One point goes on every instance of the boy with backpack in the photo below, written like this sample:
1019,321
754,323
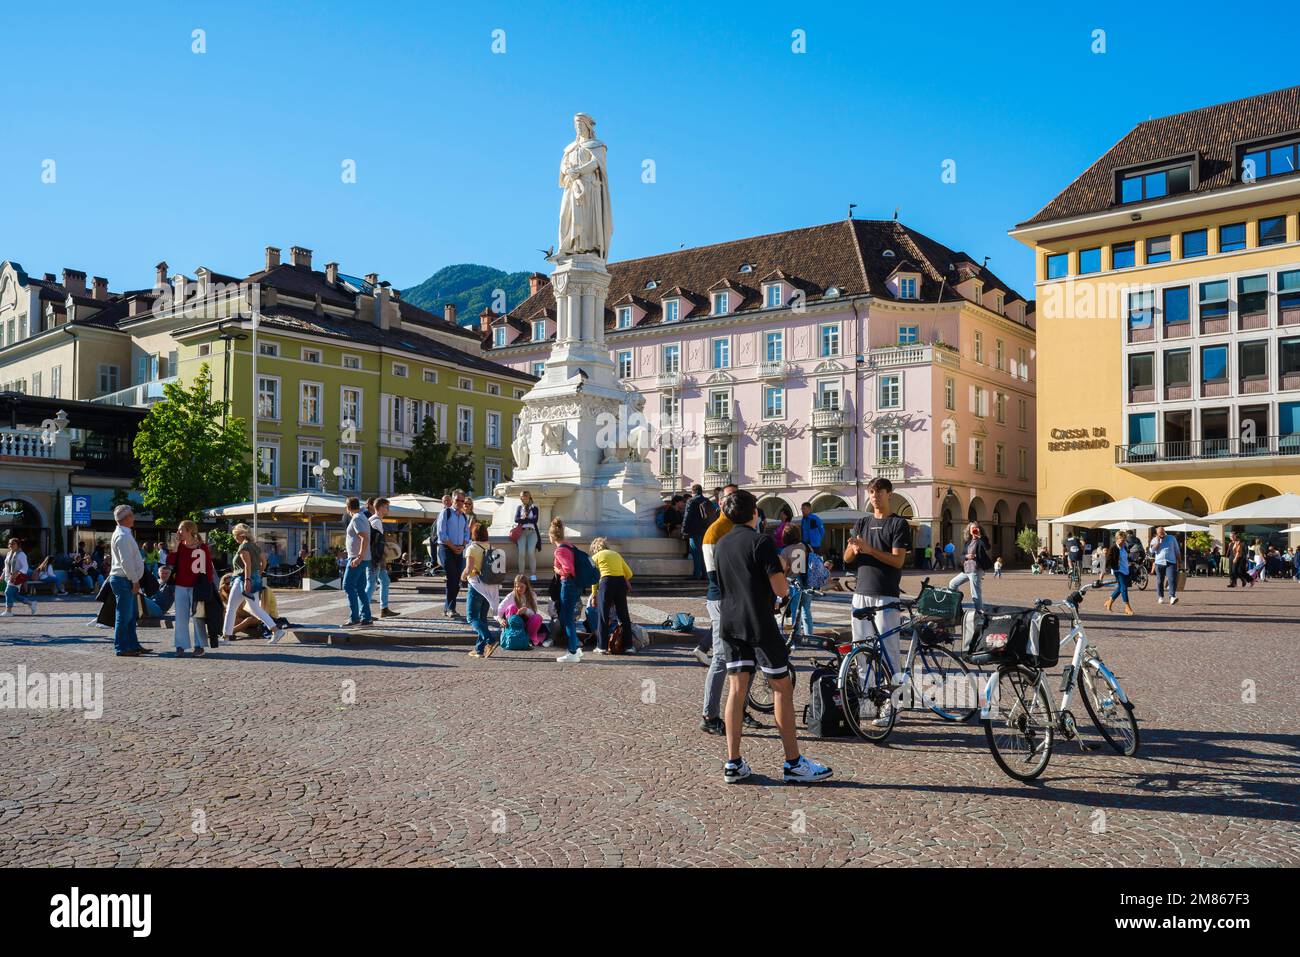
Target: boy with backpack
576,574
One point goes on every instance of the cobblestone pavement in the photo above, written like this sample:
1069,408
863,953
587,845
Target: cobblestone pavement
308,755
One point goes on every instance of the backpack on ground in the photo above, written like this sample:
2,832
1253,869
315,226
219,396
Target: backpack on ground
640,639
682,623
514,637
823,716
615,644
493,570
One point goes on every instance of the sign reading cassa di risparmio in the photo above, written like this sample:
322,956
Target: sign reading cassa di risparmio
1071,440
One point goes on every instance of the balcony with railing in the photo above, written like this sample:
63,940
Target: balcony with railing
1169,456
669,380
774,369
772,477
717,478
720,426
34,444
883,357
140,396
830,419
827,475
671,482
892,470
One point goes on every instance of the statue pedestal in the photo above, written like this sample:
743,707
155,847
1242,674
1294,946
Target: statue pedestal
582,440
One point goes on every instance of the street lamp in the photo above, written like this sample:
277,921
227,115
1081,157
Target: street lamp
319,472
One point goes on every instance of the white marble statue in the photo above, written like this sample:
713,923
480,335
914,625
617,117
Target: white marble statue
586,224
520,447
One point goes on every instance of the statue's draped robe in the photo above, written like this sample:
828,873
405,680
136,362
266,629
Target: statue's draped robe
585,221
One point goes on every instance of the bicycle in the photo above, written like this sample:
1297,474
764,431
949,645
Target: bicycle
1021,736
1139,576
871,691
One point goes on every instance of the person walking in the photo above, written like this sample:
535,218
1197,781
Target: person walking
699,516
482,601
610,594
1237,562
1117,560
997,567
125,571
1164,549
875,553
453,538
17,571
195,577
246,581
975,562
715,678
378,570
565,569
528,539
356,565
950,556
750,578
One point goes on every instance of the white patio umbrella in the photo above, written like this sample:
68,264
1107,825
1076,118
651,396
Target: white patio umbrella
1134,510
307,504
412,508
1267,511
1187,527
1126,527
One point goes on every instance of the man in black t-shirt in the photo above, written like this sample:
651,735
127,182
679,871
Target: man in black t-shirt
1074,553
876,551
750,577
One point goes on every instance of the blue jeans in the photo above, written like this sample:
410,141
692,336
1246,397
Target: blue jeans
801,604
11,596
354,584
476,611
378,574
976,579
124,615
568,606
1167,576
697,557
1121,587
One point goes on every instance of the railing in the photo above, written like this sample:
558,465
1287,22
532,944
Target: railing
773,369
886,356
104,460
1206,450
719,425
830,419
827,474
892,471
772,476
33,444
144,394
717,479
669,380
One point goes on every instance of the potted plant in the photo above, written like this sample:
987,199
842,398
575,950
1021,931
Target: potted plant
320,571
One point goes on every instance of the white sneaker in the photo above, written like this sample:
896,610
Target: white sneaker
275,636
1174,600
1161,601
732,773
547,643
805,771
886,717
4,614
576,656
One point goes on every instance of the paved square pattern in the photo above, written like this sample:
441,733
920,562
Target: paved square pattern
310,754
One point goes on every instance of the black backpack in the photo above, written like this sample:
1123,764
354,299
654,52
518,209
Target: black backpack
823,716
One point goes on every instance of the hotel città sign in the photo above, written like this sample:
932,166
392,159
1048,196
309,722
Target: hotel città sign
1071,440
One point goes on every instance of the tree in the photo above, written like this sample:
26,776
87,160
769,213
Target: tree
188,461
431,467
1027,541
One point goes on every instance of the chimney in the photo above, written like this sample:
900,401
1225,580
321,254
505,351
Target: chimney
535,282
301,256
331,273
381,308
50,277
99,287
485,320
372,278
74,280
138,306
272,257
160,274
449,312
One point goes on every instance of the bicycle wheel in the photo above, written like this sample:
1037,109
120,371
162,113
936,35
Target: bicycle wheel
760,697
947,686
1142,579
1019,726
865,695
1112,716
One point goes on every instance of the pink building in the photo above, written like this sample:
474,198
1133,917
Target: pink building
803,363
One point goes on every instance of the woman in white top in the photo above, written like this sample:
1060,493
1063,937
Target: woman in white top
16,572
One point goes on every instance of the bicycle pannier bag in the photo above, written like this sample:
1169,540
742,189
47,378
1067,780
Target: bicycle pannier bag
941,604
1001,638
1044,645
823,716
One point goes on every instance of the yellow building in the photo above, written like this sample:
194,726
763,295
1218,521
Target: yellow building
1168,299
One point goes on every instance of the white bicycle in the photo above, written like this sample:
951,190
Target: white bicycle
1017,712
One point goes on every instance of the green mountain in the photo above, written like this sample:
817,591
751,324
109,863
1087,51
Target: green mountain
471,288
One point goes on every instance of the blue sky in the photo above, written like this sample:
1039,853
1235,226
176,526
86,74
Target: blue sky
203,159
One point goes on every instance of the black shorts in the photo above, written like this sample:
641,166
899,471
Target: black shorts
768,652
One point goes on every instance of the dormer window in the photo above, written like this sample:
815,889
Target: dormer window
1000,304
721,303
979,293
746,267
832,292
499,337
906,287
671,310
1140,185
773,295
623,318
652,284
539,330
1261,162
